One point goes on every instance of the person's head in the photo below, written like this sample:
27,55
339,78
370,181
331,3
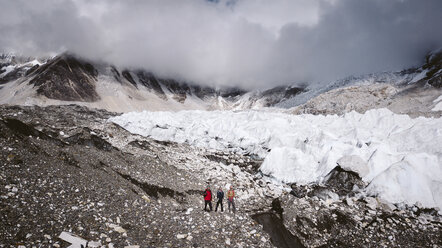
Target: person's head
231,187
220,189
208,187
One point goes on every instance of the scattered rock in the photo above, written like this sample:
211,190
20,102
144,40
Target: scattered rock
181,236
372,203
92,182
117,228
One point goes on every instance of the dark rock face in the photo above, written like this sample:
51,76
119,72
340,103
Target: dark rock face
66,78
13,75
203,92
150,82
234,92
278,94
298,191
116,74
21,128
337,183
343,181
274,226
292,91
276,207
126,75
434,65
31,70
17,72
179,90
436,81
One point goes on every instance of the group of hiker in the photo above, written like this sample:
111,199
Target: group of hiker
220,196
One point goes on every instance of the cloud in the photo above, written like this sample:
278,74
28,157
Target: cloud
246,43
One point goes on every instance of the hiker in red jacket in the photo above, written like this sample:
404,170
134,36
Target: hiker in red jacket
207,198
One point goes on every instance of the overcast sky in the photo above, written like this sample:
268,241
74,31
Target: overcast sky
247,43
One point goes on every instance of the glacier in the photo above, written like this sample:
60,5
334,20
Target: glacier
399,157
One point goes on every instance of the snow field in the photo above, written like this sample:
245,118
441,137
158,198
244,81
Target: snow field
7,69
438,102
400,157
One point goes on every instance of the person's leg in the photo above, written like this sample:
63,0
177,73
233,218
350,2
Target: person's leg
216,208
210,205
222,209
228,204
233,206
205,205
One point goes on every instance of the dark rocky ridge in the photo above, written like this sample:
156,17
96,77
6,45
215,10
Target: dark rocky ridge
7,60
149,80
66,78
16,74
433,63
279,94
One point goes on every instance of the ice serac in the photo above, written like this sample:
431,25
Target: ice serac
66,78
397,155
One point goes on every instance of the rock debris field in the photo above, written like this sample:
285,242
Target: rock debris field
68,174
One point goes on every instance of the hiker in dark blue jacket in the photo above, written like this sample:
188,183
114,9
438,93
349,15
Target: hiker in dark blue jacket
220,196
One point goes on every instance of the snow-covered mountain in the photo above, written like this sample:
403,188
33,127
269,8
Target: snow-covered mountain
14,67
415,92
67,79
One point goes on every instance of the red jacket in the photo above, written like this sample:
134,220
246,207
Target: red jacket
208,195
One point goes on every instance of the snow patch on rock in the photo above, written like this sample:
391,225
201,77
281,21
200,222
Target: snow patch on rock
438,106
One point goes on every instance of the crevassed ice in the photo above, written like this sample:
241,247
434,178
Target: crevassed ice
400,156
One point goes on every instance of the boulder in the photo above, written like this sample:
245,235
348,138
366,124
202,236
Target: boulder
343,181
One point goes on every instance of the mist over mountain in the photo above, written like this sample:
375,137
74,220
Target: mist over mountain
246,44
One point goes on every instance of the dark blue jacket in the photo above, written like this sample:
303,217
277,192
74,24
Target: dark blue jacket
220,195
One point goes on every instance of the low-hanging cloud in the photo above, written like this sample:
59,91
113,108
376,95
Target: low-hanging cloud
245,43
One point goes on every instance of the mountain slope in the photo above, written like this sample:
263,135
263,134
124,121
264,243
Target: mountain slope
67,79
414,92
